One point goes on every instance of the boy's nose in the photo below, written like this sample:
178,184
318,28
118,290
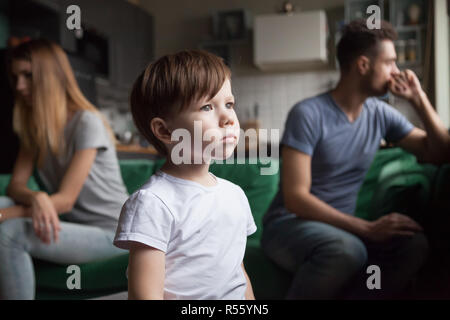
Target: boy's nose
226,119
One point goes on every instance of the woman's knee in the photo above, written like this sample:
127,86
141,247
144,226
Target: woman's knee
6,202
13,231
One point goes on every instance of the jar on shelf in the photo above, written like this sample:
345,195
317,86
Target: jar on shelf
411,51
400,47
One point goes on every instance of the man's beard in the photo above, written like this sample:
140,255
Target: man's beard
373,91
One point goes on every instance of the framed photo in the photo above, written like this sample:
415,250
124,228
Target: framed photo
230,25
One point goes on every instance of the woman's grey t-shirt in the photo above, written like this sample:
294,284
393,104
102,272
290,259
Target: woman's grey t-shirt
103,192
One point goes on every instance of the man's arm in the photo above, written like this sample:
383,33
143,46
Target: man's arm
296,177
433,144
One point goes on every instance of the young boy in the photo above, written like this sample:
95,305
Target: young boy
185,228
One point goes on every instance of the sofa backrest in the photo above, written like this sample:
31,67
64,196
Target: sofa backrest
395,182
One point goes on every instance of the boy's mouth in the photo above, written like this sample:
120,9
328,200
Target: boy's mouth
229,138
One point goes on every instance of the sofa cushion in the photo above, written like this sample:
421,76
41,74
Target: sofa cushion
395,182
101,277
135,172
268,280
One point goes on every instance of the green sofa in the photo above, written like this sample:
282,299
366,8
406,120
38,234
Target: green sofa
395,182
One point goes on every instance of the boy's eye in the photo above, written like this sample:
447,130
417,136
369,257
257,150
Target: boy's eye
230,105
207,107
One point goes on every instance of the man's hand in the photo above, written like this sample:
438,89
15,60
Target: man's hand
44,216
406,85
391,225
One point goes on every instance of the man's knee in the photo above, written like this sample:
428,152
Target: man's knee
416,249
349,253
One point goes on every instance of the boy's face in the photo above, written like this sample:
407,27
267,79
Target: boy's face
212,124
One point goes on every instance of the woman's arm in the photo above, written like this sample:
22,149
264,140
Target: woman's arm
17,211
73,180
17,188
249,291
44,208
146,273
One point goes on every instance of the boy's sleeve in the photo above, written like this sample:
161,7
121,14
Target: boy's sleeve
302,130
146,219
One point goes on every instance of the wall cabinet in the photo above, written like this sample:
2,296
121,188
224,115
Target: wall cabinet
286,42
129,31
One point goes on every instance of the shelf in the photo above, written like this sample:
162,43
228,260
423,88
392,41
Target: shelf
235,42
417,27
410,65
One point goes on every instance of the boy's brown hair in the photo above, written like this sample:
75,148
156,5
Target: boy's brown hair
357,39
172,83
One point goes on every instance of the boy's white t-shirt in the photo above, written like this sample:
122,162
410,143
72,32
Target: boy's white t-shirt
202,230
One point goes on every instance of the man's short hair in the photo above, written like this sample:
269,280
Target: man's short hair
357,39
172,83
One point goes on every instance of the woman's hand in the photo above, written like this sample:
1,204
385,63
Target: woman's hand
45,218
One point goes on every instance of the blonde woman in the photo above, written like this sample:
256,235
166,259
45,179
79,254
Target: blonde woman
65,138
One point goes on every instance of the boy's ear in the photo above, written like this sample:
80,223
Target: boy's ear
160,130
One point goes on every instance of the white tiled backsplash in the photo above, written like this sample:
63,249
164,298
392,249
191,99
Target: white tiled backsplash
276,94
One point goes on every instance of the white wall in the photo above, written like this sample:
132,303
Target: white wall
276,94
441,55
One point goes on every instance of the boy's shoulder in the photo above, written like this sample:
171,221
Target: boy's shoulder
228,184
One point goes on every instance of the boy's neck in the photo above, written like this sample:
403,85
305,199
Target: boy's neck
194,172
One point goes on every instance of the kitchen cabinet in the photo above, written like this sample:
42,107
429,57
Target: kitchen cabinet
290,41
129,31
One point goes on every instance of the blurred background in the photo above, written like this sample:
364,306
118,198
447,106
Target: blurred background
280,52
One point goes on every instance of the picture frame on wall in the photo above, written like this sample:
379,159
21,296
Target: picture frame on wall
230,25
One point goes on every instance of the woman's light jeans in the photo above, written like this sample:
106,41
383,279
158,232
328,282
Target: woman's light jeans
77,244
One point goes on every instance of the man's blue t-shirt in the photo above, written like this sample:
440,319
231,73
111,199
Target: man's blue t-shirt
341,152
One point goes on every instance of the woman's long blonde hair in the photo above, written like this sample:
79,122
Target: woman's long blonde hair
55,91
